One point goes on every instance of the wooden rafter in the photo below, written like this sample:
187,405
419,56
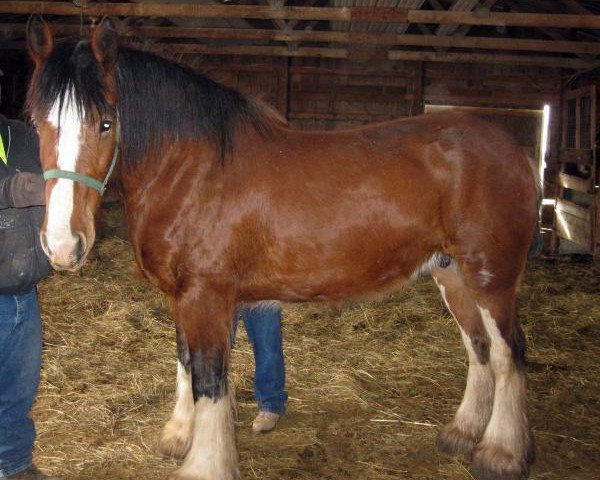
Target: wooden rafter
395,55
553,33
305,13
457,6
485,43
484,7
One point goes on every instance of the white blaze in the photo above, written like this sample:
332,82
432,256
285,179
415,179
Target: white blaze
68,123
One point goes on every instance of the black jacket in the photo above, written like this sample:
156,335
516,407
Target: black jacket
22,260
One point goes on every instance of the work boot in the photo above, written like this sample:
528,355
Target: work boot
32,473
265,421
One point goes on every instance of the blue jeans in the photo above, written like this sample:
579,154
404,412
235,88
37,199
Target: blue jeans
263,326
20,360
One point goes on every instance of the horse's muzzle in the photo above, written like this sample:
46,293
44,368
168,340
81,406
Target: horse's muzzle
67,254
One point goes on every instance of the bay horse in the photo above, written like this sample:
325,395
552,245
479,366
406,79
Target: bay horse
226,204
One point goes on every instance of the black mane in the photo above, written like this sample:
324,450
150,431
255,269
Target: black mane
70,66
159,102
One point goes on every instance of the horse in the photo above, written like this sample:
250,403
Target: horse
226,204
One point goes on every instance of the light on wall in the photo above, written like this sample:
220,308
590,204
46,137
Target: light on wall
544,144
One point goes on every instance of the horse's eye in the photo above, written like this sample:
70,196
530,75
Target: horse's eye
105,126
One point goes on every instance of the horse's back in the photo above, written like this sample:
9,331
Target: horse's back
370,205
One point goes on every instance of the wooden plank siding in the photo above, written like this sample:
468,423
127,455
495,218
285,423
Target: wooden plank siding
321,100
334,93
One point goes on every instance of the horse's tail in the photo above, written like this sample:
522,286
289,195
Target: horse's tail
537,243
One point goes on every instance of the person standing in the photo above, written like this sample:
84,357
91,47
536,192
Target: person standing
263,326
22,265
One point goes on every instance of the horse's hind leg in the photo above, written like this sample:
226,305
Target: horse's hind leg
204,318
176,436
506,449
491,422
471,418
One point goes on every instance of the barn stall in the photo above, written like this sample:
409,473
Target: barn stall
370,384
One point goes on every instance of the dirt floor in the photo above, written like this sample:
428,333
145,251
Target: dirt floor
370,384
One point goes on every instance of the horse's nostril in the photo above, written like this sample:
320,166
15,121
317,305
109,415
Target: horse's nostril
80,246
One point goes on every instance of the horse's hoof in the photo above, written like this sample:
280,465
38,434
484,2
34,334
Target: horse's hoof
174,442
496,463
187,474
453,441
179,475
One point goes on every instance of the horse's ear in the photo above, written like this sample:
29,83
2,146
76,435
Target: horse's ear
105,43
40,39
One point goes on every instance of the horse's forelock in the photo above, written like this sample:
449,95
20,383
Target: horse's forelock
71,72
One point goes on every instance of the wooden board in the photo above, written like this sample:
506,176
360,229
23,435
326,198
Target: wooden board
573,223
575,183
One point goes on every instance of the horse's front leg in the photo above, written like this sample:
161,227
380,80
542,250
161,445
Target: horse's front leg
176,436
204,321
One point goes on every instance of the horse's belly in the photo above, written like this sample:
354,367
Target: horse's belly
351,269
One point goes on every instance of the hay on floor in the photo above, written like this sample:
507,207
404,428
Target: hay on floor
370,384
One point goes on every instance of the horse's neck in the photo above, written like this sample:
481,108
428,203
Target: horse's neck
157,174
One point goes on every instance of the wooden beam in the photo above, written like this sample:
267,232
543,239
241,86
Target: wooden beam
538,61
486,6
504,101
315,52
511,112
393,55
351,70
486,43
574,223
345,14
415,5
460,6
280,24
575,183
505,19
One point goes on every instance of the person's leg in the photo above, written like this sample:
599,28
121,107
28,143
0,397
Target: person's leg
20,360
263,326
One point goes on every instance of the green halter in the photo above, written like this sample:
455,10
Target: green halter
85,179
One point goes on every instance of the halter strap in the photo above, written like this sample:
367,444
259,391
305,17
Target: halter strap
97,185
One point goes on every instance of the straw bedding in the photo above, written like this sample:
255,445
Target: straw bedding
370,384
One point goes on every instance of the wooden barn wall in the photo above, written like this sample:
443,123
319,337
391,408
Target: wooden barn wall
266,79
333,94
587,219
491,86
329,94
